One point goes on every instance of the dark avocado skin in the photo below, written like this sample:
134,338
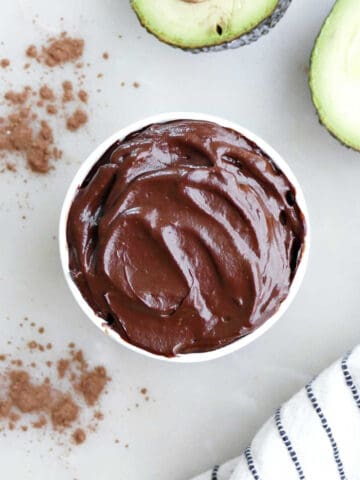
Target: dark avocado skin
261,29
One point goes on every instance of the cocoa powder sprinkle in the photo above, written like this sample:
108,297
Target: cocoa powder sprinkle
5,407
92,384
64,412
18,98
40,423
51,110
57,51
26,396
99,415
11,167
68,95
31,51
79,436
4,63
83,96
76,120
54,406
23,130
62,367
18,134
46,93
62,50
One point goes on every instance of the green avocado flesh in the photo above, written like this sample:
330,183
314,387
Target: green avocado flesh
335,73
201,23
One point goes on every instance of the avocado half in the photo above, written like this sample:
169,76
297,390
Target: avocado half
209,25
335,73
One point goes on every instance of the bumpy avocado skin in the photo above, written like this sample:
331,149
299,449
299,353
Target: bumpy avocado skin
261,29
322,121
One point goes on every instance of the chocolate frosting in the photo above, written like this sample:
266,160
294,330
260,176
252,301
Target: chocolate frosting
185,237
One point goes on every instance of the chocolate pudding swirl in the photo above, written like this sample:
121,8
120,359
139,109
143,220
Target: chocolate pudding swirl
185,237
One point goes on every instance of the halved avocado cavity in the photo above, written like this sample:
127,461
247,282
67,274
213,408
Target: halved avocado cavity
195,24
335,73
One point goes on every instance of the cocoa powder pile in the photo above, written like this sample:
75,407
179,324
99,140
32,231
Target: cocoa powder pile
57,51
26,128
56,401
22,132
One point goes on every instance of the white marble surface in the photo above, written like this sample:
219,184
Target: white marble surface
202,414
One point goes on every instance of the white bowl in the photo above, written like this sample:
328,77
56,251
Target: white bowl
97,154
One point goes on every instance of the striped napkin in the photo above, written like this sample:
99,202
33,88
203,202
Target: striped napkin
314,436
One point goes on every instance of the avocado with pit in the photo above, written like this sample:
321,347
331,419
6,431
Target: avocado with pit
209,25
335,73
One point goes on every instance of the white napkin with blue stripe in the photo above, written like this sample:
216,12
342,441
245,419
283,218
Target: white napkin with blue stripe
314,436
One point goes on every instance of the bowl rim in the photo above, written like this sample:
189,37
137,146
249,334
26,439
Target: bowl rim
85,169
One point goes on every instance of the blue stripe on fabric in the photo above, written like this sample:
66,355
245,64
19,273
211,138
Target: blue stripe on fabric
349,379
214,473
286,440
251,464
325,425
